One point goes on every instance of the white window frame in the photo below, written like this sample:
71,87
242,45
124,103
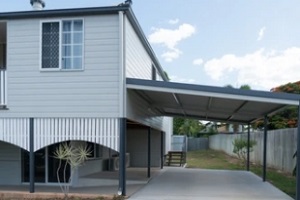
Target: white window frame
60,21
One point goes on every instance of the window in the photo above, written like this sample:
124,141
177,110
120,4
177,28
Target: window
62,44
96,150
50,45
2,56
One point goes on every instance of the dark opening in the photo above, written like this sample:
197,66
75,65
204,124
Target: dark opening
39,157
53,165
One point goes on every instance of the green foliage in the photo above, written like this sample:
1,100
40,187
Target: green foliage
245,87
177,123
240,148
289,88
229,86
286,118
189,127
211,131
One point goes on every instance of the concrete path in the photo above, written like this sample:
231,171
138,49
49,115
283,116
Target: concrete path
198,184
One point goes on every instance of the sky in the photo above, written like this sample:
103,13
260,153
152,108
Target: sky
213,42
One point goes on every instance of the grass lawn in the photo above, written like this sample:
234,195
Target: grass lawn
210,159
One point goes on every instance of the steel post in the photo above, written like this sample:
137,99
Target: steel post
122,158
31,156
265,148
298,158
149,153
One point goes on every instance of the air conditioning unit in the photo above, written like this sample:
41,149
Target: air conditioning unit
114,164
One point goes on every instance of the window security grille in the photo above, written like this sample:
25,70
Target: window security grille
50,45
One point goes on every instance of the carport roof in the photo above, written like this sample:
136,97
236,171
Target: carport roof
209,103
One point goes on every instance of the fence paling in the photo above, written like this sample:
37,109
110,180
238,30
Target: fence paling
281,147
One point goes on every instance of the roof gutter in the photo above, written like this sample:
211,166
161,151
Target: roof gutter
64,12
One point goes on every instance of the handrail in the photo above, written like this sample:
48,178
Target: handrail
3,90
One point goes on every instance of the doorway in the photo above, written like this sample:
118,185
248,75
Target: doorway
46,166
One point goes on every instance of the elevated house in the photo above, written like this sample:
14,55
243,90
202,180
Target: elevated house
63,79
89,75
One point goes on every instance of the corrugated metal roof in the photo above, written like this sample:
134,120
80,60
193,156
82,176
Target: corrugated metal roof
209,103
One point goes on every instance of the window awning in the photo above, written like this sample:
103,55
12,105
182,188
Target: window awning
209,103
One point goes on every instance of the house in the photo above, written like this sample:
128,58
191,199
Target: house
63,78
89,75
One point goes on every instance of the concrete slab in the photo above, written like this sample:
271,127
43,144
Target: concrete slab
102,183
200,184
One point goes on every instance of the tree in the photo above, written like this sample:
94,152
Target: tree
185,126
245,87
190,127
286,118
240,148
177,123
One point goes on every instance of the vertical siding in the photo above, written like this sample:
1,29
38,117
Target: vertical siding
10,164
93,92
138,61
47,131
15,131
104,131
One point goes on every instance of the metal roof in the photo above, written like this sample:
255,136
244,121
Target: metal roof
209,103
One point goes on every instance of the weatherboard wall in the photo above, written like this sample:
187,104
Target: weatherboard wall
91,92
139,65
138,61
139,110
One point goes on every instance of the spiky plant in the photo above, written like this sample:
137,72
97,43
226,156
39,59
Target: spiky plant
74,157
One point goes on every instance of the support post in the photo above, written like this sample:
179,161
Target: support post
162,150
298,158
122,158
248,148
31,156
149,153
265,148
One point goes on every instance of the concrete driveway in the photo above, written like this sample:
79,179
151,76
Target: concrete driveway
197,184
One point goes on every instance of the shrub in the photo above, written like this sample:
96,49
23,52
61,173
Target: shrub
240,148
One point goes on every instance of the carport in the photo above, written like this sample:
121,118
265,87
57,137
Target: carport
212,104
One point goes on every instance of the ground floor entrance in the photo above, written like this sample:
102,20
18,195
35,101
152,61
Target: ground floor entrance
48,170
47,167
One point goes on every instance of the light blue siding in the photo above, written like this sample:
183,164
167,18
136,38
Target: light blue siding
139,65
92,92
138,61
140,111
